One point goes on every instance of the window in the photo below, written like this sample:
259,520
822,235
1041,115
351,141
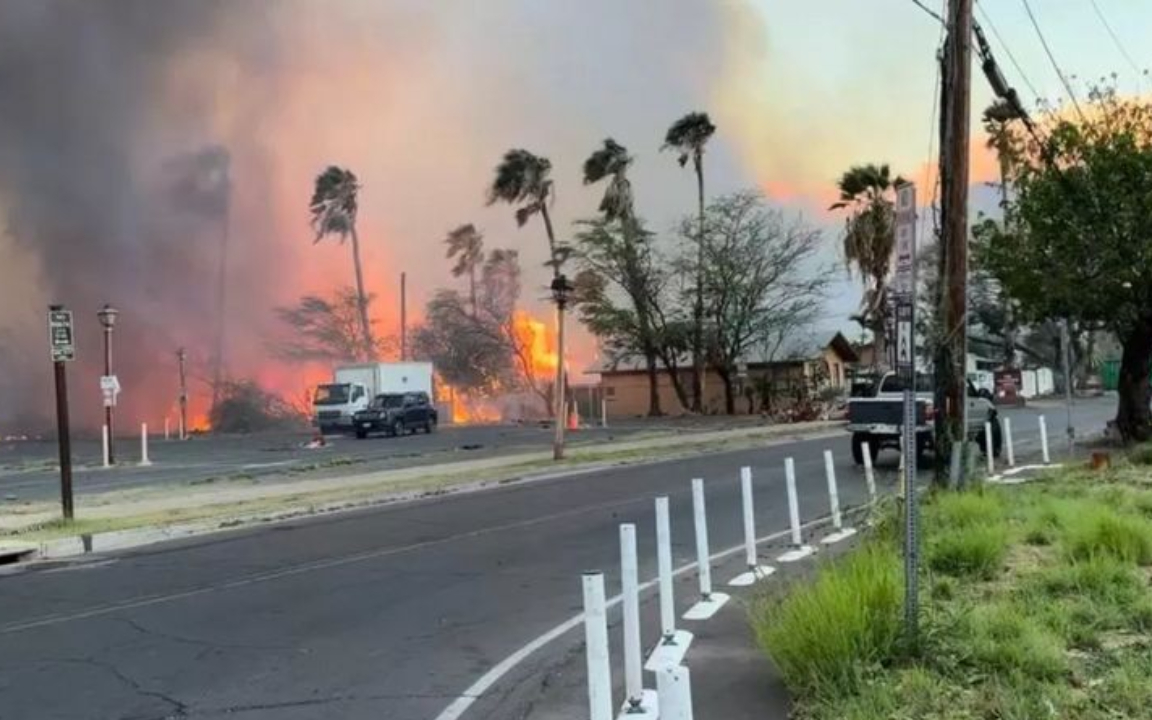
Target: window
609,392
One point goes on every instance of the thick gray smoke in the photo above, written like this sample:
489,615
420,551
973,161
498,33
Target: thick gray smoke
105,199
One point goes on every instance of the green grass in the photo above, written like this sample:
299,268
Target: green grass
1036,603
1106,532
829,635
969,551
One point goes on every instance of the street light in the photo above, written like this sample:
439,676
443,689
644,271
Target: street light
107,317
561,289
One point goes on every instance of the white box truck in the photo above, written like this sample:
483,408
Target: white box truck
353,387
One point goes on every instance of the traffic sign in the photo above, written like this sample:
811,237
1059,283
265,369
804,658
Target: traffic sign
110,387
60,335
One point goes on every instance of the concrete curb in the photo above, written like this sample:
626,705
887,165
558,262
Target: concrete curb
117,540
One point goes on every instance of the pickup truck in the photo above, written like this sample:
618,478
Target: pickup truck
396,414
877,419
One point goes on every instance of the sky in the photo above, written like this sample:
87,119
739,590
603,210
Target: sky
421,99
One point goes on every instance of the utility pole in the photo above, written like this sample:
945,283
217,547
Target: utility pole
403,316
181,357
952,355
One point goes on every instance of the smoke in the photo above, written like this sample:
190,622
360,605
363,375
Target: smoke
139,138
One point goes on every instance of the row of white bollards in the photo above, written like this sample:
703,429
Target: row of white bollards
672,697
145,460
1010,446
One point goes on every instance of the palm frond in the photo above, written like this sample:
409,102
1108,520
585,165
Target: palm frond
520,176
689,134
334,202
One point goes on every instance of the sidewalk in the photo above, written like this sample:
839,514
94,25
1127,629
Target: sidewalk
169,511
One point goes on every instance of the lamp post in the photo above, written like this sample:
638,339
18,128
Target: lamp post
107,317
561,289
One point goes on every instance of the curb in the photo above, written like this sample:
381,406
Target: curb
117,540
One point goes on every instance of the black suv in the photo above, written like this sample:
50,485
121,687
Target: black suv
396,414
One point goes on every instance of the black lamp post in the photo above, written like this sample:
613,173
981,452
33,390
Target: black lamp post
561,289
107,317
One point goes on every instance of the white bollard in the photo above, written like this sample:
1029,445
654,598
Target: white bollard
841,532
710,601
104,436
167,436
756,571
799,550
630,592
700,516
144,461
869,473
1008,442
1044,440
596,642
674,688
603,412
988,449
673,643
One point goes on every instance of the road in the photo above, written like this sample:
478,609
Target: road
28,470
387,613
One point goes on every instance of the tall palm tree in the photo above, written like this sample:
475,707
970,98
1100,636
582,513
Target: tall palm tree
612,161
998,119
869,240
466,244
333,208
688,136
522,180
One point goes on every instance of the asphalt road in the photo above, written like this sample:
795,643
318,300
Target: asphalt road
29,470
388,613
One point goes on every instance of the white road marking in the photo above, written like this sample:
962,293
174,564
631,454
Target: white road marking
477,689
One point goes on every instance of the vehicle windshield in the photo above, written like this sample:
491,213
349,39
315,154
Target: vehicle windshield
388,401
331,395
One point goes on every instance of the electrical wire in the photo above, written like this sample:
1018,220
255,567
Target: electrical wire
1007,50
930,11
1116,40
1052,58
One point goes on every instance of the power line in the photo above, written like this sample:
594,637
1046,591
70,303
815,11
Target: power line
930,11
1116,40
1052,58
1007,50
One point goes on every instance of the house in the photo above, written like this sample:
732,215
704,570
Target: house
762,384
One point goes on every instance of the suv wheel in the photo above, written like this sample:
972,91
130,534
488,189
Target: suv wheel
397,428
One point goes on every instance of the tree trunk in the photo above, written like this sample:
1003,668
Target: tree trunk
472,288
673,371
1133,415
729,391
698,306
362,299
879,344
653,385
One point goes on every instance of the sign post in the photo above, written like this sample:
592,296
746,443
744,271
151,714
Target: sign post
63,349
906,369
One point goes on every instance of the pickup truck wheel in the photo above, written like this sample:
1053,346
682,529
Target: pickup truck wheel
361,434
858,440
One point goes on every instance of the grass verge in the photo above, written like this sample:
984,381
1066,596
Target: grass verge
1036,603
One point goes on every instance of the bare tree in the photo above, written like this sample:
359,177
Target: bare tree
761,280
328,329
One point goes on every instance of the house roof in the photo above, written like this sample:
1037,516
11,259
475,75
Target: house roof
799,350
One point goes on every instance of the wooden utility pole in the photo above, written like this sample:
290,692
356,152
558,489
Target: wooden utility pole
953,353
403,316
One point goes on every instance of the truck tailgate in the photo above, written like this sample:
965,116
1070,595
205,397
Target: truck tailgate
882,411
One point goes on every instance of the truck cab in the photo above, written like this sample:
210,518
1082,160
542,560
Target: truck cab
336,404
878,420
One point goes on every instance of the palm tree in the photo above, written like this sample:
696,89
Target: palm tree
522,180
998,118
612,161
869,240
466,244
688,136
333,208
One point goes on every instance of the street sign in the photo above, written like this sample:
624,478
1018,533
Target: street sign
60,335
905,291
110,387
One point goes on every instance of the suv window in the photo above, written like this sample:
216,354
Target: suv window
388,401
